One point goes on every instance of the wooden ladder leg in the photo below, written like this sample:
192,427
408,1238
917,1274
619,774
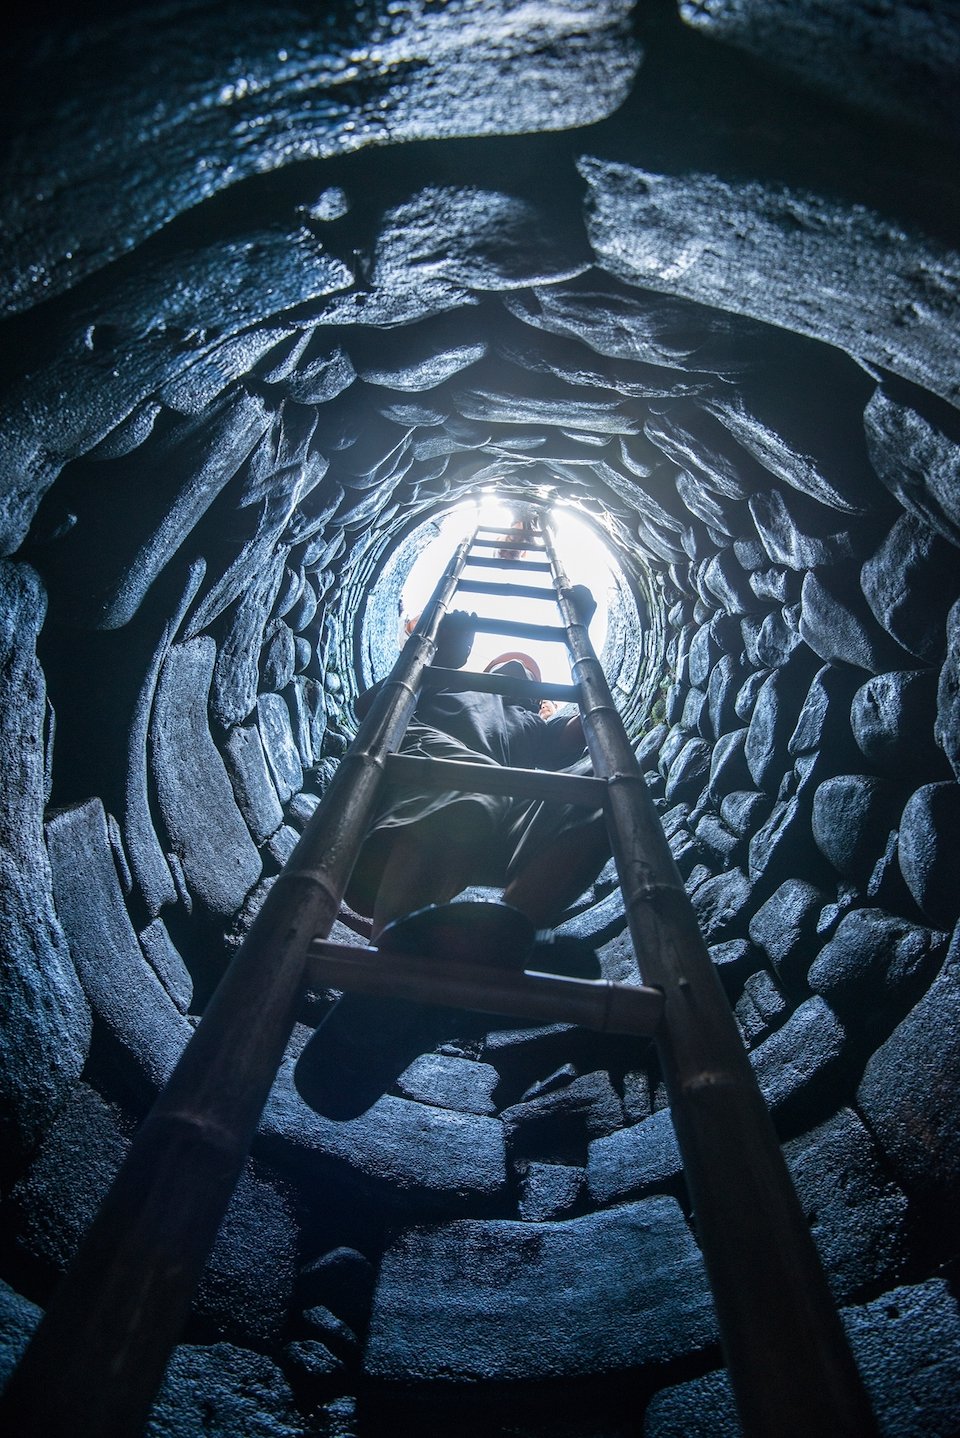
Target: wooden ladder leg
97,1358
790,1365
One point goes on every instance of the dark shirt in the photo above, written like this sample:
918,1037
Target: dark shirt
505,731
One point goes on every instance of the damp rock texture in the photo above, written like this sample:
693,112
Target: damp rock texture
280,287
508,1300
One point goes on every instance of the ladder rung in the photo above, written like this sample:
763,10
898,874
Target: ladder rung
540,565
501,529
593,1003
517,630
509,591
409,769
459,681
518,546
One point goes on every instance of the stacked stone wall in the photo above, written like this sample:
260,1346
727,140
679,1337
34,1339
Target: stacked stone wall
262,343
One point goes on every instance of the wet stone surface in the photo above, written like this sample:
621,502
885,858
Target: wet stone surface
47,1029
507,1301
905,1345
902,1095
281,290
194,794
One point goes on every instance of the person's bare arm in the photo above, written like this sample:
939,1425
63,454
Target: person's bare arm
454,641
569,742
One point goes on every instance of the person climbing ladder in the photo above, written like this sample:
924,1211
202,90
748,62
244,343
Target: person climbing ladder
426,846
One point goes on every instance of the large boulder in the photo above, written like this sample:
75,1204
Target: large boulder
947,727
774,719
233,692
744,811
777,638
892,717
278,656
907,1347
688,772
492,84
875,957
634,1161
785,928
907,1094
220,1391
450,1082
726,678
123,989
721,904
46,1026
852,816
928,830
549,1191
837,623
893,72
660,231
443,1160
195,797
909,584
857,1215
55,1203
798,1067
507,1301
824,718
727,582
761,1008
728,765
253,786
276,732
165,960
784,845
798,533
916,460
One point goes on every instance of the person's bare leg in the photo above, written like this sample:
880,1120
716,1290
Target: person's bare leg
426,866
559,873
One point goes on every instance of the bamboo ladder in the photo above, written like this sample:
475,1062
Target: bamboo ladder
97,1358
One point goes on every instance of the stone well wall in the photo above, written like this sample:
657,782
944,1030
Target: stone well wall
276,289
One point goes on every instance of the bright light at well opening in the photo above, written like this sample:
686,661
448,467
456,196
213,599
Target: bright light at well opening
582,554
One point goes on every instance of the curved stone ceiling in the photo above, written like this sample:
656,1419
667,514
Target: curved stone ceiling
278,288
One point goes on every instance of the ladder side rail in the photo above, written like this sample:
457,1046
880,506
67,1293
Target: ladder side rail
790,1365
98,1356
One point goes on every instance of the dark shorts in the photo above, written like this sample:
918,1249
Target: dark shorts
500,833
